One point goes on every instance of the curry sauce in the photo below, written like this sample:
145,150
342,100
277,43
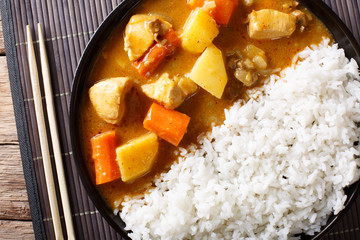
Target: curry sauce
203,108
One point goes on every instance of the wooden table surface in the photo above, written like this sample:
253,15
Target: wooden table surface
15,218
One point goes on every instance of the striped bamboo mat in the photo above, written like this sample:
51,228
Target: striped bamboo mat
68,26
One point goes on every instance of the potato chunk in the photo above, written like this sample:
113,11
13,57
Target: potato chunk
199,31
136,157
209,71
271,24
107,97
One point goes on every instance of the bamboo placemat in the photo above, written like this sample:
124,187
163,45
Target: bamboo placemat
68,26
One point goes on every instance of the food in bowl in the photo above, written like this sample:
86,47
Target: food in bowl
200,124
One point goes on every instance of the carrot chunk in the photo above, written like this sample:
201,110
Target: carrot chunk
104,155
224,10
151,60
220,10
169,125
147,64
195,3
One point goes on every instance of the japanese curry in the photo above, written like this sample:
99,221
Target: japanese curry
166,75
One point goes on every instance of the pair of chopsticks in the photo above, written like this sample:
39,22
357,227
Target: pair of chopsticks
54,136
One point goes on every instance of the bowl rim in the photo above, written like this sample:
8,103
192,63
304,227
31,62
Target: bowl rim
96,43
110,23
352,50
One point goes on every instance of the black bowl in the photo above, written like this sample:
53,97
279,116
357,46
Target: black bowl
93,48
340,32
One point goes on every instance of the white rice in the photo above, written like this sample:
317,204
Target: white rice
275,168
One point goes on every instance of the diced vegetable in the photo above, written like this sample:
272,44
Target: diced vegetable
195,3
156,54
107,98
220,10
199,31
253,51
209,71
246,77
103,153
260,62
169,125
257,56
224,10
136,157
248,64
151,60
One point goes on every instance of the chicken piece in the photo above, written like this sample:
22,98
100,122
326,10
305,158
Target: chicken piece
107,97
271,24
165,91
141,32
137,38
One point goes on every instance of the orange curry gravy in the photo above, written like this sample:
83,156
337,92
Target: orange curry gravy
203,108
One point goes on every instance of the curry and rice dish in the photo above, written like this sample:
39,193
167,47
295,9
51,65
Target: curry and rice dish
200,122
122,96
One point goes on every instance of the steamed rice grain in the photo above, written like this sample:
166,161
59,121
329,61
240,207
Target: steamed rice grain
276,167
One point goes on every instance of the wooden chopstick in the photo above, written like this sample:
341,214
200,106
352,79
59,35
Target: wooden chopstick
43,136
55,135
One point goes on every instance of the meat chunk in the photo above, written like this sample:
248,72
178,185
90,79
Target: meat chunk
301,19
249,65
165,91
141,32
289,6
271,24
107,97
169,92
